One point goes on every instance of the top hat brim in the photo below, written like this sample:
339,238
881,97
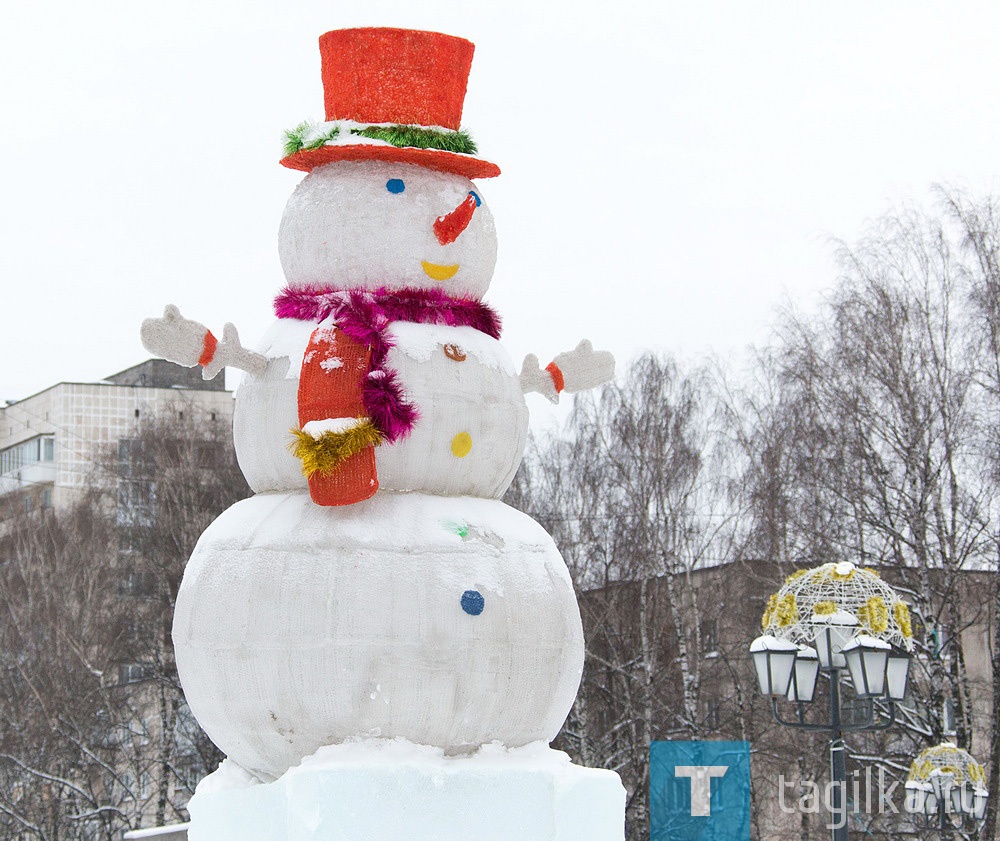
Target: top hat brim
307,160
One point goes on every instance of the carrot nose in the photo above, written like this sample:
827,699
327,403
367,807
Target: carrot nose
447,228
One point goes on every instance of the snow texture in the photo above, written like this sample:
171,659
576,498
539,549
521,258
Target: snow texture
284,344
381,789
866,641
769,643
332,363
421,342
317,428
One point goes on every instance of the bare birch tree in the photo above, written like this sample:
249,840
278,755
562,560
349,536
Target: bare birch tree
635,498
978,224
95,738
864,442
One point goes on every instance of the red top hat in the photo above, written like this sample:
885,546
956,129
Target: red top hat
391,95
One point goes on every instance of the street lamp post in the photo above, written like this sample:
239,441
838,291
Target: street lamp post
842,621
946,790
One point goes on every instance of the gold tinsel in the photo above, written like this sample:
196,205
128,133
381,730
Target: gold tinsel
324,454
874,615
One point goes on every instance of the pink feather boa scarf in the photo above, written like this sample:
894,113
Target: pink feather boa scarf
365,315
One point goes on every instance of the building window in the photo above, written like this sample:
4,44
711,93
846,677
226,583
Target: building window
136,503
26,453
189,768
713,715
137,584
948,717
710,636
133,673
129,540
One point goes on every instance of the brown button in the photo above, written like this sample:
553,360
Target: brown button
454,352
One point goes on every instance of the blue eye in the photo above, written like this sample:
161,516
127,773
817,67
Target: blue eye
475,195
396,185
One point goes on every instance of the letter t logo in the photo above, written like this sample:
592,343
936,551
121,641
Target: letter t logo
701,785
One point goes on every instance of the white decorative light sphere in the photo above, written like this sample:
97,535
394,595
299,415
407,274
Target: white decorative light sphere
448,621
842,596
947,760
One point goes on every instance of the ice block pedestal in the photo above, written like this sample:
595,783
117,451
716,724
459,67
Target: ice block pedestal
375,790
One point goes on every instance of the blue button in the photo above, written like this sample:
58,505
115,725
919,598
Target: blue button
473,602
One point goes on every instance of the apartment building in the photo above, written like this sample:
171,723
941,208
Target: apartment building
52,442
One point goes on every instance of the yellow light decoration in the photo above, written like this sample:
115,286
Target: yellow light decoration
787,611
874,615
772,606
901,613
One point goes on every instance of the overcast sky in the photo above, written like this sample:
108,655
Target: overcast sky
672,172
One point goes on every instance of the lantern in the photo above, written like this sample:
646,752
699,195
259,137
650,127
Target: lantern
774,660
897,671
804,675
979,804
831,632
916,797
866,659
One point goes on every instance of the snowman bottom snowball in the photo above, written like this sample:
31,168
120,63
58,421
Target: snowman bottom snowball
299,626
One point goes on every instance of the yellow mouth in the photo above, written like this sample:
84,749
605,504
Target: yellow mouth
436,272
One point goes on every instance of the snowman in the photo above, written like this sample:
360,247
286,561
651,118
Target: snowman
375,587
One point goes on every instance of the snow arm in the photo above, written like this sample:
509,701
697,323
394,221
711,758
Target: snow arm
189,343
575,370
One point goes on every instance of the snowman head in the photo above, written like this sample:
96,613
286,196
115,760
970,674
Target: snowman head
371,224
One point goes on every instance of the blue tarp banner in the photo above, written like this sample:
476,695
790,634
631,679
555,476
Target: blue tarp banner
699,791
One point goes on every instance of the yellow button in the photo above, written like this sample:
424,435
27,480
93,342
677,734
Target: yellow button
461,444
